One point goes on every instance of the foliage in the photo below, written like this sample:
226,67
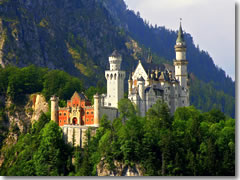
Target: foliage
40,152
18,82
188,143
205,97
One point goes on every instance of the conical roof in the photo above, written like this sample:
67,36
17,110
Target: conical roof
180,38
115,53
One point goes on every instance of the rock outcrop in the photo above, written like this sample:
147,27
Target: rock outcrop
39,105
21,117
120,169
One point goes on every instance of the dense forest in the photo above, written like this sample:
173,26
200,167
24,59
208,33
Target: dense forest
188,143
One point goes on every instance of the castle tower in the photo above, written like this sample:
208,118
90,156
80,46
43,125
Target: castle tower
130,83
96,109
54,108
181,63
142,103
115,80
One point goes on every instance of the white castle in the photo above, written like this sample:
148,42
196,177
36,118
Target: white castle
144,89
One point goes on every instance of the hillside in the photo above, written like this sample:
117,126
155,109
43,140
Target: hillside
77,36
190,143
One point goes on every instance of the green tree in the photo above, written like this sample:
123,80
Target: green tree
48,160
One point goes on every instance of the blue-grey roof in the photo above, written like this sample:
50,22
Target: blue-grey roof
115,53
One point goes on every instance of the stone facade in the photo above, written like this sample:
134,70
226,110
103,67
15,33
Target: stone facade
144,89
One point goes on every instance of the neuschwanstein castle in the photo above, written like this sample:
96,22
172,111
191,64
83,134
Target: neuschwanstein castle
145,87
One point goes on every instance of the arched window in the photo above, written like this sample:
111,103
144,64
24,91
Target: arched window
115,76
107,76
111,76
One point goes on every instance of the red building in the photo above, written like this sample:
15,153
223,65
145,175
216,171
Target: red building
79,111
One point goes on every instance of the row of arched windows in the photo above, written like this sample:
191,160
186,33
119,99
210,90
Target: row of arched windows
114,76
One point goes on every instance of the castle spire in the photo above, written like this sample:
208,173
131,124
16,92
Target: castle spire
180,38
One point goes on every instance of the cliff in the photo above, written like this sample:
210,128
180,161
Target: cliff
120,169
20,119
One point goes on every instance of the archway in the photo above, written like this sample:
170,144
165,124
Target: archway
74,121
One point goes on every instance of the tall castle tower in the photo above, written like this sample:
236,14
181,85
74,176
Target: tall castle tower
180,64
115,80
54,108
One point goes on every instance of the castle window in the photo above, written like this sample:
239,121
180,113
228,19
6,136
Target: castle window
92,119
92,112
64,114
87,119
183,102
60,114
87,112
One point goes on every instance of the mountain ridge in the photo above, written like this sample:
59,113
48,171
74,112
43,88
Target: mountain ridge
78,36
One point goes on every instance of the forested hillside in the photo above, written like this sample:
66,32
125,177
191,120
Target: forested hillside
189,143
77,36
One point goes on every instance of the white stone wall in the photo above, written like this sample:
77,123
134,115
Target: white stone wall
180,55
76,133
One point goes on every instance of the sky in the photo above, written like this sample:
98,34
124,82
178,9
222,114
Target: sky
210,22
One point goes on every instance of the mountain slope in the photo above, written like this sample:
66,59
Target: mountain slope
161,41
77,36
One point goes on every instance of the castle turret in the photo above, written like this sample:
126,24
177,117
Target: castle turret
140,83
115,60
54,108
130,83
181,63
142,103
97,104
115,80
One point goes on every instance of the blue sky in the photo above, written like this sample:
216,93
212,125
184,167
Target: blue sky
210,22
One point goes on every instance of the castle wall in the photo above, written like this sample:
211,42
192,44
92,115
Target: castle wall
111,113
76,135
